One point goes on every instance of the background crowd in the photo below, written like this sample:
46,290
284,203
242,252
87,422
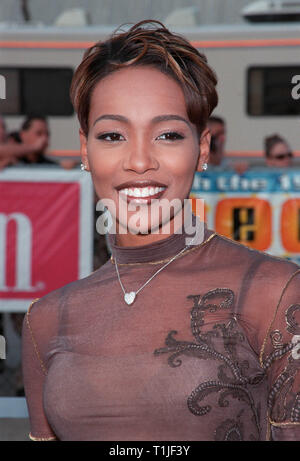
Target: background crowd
276,150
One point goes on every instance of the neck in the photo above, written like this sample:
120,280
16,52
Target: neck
157,250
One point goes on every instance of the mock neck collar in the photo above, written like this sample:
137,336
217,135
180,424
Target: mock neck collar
156,251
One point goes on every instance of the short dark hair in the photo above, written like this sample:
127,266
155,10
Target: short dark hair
148,43
216,119
29,119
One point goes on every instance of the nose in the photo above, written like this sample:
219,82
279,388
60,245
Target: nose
140,157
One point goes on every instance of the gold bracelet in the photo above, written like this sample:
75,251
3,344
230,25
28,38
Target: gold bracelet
41,439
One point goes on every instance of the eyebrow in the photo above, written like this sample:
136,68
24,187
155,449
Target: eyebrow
157,119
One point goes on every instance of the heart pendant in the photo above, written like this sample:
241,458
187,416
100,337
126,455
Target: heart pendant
129,297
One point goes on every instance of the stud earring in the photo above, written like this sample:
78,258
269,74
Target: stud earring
204,166
82,167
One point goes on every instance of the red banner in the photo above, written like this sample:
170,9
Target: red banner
45,233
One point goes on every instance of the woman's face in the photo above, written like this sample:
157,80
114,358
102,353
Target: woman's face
141,145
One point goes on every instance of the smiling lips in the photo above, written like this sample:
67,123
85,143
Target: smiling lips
141,192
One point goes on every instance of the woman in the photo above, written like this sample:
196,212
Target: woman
277,152
167,340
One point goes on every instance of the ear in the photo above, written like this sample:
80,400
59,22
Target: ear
83,149
204,148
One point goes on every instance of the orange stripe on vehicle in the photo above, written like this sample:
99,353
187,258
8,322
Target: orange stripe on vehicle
198,43
246,43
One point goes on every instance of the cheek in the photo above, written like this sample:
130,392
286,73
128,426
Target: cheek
33,137
102,182
101,173
182,165
102,163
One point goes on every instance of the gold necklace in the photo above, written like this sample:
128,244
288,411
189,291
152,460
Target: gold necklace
130,296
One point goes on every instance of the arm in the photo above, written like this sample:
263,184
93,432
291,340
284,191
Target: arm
18,150
280,357
34,374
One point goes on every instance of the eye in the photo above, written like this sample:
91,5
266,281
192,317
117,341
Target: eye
170,136
111,137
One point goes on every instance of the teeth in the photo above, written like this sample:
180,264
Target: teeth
142,191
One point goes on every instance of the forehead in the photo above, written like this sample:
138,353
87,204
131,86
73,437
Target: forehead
281,147
137,92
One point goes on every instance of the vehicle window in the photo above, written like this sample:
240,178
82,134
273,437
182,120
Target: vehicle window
269,91
37,91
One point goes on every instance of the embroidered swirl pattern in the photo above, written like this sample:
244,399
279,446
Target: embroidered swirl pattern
283,402
236,384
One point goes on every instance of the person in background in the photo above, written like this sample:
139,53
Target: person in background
217,159
217,129
32,129
278,153
32,140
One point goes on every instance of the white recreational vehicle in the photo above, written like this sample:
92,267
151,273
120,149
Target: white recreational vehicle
257,64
